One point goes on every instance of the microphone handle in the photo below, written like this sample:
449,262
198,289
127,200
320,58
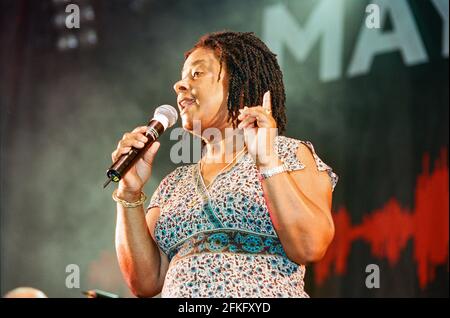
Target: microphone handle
125,161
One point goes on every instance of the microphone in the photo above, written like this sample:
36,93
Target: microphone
97,293
165,116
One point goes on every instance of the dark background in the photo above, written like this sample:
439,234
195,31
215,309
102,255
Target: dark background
385,133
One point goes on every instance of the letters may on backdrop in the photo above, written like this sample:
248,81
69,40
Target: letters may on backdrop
326,24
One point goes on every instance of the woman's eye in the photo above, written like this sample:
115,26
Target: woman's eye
196,74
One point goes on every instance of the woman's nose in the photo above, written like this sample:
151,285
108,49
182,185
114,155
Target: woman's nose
180,86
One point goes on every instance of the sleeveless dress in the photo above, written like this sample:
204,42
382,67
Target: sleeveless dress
221,241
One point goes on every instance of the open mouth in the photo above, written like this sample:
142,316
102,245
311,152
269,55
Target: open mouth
185,104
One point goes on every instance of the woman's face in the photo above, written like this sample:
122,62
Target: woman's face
200,96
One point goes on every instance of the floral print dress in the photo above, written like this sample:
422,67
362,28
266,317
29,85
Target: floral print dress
221,241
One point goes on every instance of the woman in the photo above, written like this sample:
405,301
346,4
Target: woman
243,227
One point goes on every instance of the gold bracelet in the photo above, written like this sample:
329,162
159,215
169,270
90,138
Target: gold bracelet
127,204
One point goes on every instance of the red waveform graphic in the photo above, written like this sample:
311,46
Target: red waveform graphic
388,229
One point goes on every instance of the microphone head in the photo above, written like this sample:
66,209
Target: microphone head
167,115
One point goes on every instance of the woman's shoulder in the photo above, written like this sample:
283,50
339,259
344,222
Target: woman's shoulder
287,149
289,145
285,142
178,173
168,184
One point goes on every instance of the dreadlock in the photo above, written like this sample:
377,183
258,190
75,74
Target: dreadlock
253,69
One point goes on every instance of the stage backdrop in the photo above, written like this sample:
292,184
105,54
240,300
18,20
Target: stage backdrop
373,99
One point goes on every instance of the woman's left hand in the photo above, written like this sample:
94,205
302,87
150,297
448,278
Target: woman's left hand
260,130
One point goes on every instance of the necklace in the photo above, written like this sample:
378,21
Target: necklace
221,170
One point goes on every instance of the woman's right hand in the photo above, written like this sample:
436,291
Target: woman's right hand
132,183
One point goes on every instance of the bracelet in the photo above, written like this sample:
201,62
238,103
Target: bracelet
267,173
127,204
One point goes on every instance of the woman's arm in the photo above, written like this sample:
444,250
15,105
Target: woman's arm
300,208
151,217
299,202
139,257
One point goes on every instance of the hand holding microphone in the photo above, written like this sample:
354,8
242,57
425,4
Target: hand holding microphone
133,158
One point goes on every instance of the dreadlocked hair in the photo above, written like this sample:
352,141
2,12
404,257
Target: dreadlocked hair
253,69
